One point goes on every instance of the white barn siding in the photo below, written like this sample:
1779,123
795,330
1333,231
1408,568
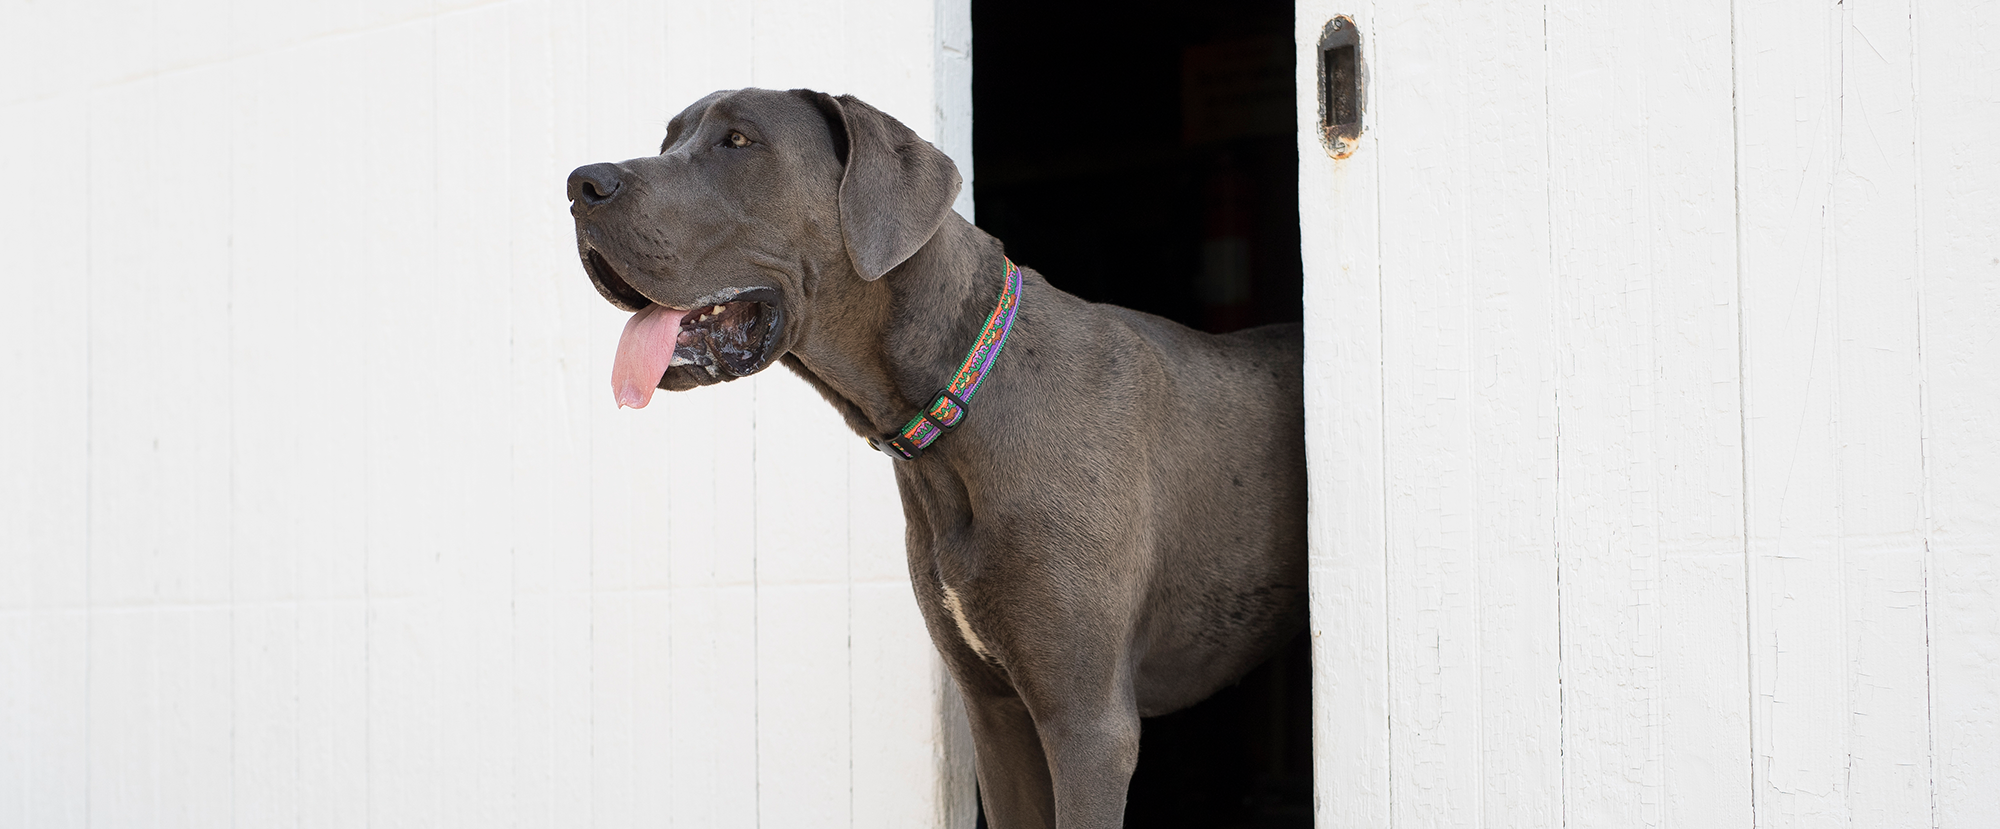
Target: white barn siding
1654,416
314,506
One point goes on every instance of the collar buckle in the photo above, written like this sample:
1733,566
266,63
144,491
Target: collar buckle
926,427
903,448
897,447
964,410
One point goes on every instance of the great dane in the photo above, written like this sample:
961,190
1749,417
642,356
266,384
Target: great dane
1105,522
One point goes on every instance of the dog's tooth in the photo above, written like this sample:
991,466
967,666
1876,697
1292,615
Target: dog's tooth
716,310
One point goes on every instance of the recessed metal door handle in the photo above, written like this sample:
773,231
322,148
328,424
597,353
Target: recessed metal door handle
1340,86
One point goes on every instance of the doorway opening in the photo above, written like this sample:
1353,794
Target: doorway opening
1145,156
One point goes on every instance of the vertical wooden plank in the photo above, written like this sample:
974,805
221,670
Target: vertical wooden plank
271,132
1344,447
123,722
1872,222
470,165
1428,455
897,749
16,622
44,458
1959,279
951,84
122,694
328,424
1690,230
804,725
159,525
1654,695
651,694
551,441
1789,96
187,270
333,678
193,671
1832,397
1509,374
264,727
556,378
1463,230
714,764
51,729
402,420
713,646
1469,417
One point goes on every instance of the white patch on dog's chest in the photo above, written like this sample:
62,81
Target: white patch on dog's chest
957,609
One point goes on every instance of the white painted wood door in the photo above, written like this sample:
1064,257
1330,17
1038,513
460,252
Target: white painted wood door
1654,416
315,509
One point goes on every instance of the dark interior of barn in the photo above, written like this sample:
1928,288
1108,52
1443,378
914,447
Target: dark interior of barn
1145,156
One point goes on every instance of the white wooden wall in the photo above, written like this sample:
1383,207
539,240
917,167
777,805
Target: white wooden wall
1654,414
315,509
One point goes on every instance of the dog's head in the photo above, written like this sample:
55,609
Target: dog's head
756,199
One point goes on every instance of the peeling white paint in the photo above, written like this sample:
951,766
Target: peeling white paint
1634,393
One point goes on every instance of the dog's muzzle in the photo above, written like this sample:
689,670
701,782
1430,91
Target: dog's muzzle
727,334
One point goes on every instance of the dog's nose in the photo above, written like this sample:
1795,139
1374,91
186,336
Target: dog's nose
594,184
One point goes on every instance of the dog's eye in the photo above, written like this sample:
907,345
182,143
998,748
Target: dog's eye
737,139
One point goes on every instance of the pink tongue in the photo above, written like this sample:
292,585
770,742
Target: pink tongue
644,351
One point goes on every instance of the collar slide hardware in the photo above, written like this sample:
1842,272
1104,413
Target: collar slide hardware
937,403
898,447
949,408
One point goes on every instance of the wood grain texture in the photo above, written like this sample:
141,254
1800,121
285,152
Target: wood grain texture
1647,516
1832,412
1750,214
1957,48
1468,417
1353,783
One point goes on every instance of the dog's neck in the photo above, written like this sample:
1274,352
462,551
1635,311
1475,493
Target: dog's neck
879,350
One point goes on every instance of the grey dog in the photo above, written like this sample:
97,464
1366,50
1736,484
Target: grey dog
1117,528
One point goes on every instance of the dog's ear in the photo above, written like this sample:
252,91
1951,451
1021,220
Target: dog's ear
896,189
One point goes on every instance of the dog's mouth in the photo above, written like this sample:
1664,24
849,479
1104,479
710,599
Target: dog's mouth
727,334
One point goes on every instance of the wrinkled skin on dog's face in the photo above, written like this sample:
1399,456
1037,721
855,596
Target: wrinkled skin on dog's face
713,239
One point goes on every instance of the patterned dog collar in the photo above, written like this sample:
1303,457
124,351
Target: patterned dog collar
952,404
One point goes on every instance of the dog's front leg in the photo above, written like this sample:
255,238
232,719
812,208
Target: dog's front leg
1014,785
1054,749
1091,738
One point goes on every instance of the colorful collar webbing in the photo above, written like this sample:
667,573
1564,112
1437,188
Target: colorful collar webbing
952,404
